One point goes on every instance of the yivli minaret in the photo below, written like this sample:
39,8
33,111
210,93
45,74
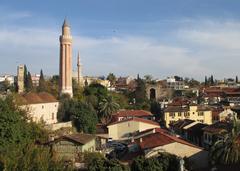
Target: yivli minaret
65,70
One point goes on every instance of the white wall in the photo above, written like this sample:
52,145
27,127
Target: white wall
46,112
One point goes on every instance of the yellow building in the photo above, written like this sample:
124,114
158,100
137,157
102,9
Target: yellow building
198,113
126,128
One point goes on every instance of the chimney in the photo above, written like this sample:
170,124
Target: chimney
154,130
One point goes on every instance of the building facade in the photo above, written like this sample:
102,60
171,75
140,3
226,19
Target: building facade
125,129
40,107
198,113
20,78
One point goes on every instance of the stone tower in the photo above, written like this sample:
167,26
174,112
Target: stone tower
79,69
65,68
20,78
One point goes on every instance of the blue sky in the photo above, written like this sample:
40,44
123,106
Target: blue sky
190,38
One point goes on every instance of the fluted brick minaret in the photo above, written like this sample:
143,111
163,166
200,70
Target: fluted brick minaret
65,70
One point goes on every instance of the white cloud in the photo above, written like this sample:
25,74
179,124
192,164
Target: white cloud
204,48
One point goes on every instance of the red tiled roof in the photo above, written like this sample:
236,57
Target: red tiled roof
34,98
151,130
137,120
78,138
176,109
132,113
219,127
160,139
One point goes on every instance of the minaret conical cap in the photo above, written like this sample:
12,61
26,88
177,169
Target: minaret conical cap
65,23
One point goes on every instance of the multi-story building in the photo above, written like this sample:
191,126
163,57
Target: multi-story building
35,79
175,83
195,112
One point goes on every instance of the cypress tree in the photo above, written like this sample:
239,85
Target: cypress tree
236,79
25,76
212,81
206,81
42,83
29,84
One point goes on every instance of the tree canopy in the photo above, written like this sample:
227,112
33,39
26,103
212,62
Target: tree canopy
19,139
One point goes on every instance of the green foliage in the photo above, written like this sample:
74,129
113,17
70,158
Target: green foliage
77,90
97,162
18,141
112,78
52,86
140,92
120,99
227,150
42,84
5,85
82,114
106,107
163,162
84,117
65,109
29,84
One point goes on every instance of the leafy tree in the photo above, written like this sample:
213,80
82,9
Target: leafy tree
156,110
19,139
52,86
140,92
65,109
42,84
193,83
163,162
148,78
112,78
120,99
106,107
97,162
77,90
227,150
94,93
5,85
84,117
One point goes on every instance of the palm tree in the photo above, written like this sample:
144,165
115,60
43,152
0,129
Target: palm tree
106,107
227,150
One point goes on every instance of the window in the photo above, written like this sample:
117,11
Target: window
42,106
200,113
52,116
179,114
172,114
128,124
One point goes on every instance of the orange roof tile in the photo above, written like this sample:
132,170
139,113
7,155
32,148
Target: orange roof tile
132,113
137,120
